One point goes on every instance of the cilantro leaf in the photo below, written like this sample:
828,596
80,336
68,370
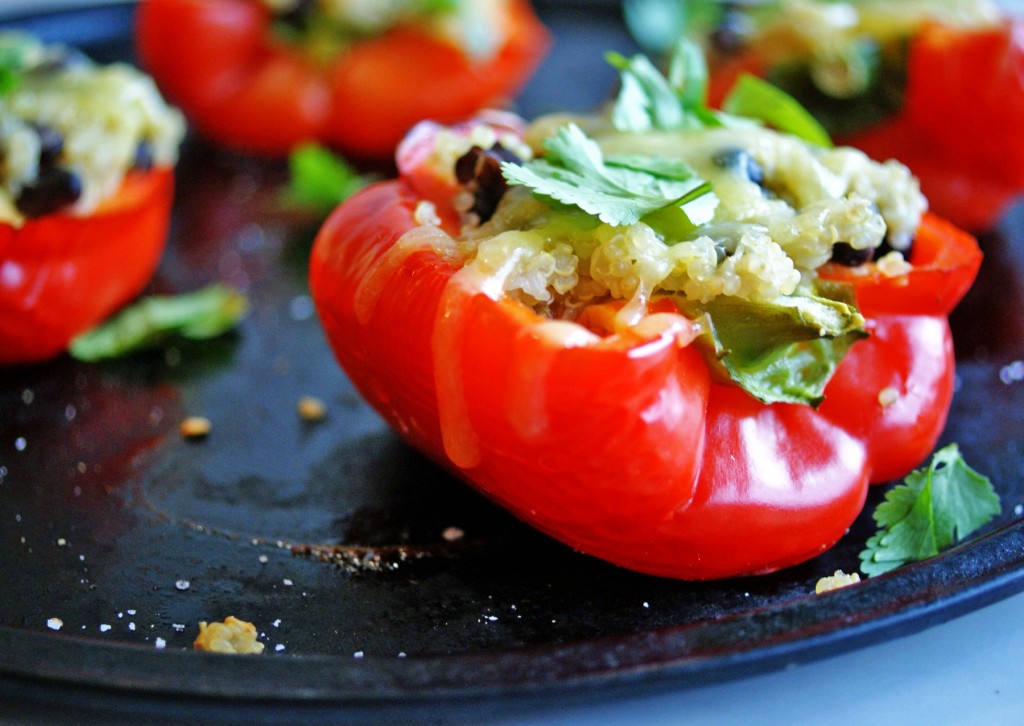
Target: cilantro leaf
620,191
198,315
931,510
320,179
785,350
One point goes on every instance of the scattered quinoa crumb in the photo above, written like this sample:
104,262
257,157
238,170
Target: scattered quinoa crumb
231,636
312,409
196,427
888,396
182,584
834,582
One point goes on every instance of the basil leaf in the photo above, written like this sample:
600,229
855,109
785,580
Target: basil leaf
618,190
199,315
780,351
320,179
930,511
755,98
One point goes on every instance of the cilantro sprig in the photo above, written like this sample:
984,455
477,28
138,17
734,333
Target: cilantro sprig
649,100
934,508
618,190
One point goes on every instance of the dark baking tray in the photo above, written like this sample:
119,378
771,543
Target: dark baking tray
331,537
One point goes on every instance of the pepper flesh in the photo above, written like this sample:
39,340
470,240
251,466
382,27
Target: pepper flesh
62,274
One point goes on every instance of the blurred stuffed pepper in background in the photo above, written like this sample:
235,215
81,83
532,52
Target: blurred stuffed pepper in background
937,84
263,76
86,187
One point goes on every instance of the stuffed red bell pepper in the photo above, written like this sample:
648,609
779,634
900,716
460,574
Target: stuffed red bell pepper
669,337
937,84
265,75
85,192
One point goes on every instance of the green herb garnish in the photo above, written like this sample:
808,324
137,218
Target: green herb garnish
320,179
206,313
649,100
930,511
754,98
620,191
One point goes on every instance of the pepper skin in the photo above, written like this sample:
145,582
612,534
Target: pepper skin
242,89
61,275
619,444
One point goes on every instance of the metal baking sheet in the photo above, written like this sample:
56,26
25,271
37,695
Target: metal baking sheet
381,587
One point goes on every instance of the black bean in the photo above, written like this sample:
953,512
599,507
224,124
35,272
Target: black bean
143,156
479,171
55,189
740,162
844,254
51,146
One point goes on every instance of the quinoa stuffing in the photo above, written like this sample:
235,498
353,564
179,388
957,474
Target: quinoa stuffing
71,130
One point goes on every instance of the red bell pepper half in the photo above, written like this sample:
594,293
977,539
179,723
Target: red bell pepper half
621,443
245,88
62,274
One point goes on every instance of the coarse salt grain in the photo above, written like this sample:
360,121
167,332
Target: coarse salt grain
182,584
55,623
160,643
105,628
